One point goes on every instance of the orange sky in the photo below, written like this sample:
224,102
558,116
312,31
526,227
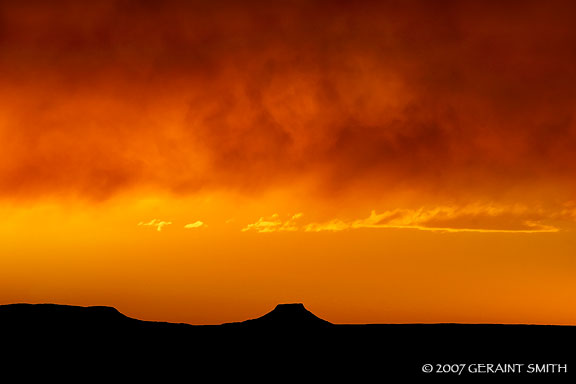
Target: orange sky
379,161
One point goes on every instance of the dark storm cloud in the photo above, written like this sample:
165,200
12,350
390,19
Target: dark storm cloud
452,98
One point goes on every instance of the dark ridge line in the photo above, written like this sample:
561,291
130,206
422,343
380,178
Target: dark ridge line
282,314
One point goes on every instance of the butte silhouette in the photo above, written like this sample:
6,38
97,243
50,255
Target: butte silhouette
289,342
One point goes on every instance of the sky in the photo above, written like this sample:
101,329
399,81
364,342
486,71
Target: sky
378,161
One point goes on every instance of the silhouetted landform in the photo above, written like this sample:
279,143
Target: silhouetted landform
288,342
285,316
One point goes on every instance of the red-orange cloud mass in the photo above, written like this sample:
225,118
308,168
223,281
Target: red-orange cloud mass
453,99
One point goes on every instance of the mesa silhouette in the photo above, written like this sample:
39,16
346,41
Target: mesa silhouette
288,336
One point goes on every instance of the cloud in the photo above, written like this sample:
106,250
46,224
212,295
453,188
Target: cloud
468,218
274,224
473,218
466,99
196,224
159,224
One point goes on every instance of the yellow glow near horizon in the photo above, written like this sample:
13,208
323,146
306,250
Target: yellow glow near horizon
218,273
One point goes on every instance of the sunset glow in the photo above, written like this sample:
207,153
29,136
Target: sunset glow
379,161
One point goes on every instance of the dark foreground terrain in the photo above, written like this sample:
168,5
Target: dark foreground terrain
289,344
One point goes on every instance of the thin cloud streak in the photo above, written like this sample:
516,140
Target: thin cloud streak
471,218
474,218
159,224
196,224
274,224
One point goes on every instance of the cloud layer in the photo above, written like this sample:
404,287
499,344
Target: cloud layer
463,99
